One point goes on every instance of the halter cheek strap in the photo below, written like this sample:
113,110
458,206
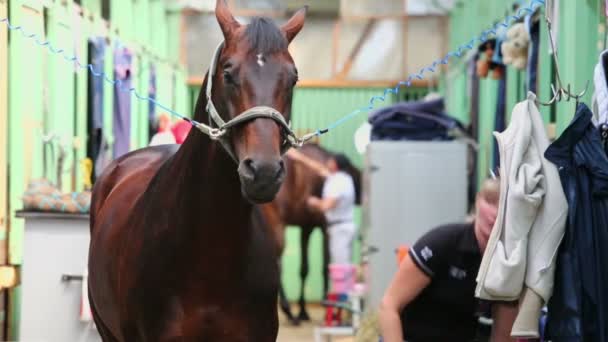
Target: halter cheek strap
222,129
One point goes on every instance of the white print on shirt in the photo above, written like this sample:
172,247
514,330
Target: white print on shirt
458,273
426,253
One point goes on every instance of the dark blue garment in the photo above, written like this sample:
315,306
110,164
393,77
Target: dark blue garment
152,129
97,147
578,309
420,120
122,100
97,52
500,122
533,28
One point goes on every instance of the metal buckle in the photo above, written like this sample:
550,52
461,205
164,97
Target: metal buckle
216,133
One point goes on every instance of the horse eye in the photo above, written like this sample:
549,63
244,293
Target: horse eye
228,78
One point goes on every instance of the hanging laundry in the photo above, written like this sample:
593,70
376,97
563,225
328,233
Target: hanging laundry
533,29
500,118
123,58
578,309
151,108
519,259
97,146
473,93
600,97
419,120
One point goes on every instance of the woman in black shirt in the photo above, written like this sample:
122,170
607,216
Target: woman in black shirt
432,296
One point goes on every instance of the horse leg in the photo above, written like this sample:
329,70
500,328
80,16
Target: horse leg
304,240
326,258
284,303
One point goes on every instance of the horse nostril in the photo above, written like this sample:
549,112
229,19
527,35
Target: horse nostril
250,167
281,169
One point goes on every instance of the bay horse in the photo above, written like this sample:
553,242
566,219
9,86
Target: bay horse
179,248
290,209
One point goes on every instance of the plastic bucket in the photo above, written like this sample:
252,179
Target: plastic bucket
342,277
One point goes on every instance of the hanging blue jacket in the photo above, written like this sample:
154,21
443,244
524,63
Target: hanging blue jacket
578,309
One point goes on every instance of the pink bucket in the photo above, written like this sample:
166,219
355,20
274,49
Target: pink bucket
342,277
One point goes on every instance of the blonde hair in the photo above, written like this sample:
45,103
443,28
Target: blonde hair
490,192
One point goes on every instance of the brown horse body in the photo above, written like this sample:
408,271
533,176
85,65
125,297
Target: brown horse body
178,251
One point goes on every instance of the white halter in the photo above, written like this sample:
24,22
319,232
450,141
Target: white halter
220,132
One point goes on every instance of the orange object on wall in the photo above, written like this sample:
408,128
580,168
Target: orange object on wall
401,252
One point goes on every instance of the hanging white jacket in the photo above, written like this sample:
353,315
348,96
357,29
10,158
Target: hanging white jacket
520,257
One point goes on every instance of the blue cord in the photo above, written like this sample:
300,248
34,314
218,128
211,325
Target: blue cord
101,74
484,36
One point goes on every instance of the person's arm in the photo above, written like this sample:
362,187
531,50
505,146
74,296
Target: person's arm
308,162
503,316
405,286
322,204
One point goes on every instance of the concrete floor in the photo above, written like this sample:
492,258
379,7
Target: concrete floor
304,332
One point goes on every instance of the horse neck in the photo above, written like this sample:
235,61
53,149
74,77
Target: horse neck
207,182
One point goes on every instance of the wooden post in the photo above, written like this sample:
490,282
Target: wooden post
348,64
335,48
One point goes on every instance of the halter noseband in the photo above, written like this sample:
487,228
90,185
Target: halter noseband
220,132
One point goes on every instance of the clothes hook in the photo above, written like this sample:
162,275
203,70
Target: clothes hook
559,93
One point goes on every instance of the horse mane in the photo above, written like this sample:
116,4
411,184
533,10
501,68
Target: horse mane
264,36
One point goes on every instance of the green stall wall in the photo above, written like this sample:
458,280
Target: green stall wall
47,94
25,123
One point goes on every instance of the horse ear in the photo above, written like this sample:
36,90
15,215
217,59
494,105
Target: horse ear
293,26
226,20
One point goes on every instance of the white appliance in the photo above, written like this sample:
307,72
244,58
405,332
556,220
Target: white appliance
411,187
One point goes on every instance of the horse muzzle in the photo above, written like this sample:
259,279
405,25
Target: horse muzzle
261,179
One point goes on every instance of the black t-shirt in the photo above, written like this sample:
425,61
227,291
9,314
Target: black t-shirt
446,309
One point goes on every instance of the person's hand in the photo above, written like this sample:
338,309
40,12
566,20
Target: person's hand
313,202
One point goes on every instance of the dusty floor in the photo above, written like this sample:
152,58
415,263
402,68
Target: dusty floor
304,332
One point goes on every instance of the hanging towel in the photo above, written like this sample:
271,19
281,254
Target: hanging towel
578,309
600,97
85,307
532,213
122,100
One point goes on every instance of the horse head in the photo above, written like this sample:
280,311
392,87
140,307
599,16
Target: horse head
253,76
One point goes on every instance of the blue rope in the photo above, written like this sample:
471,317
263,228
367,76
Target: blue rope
483,37
91,69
